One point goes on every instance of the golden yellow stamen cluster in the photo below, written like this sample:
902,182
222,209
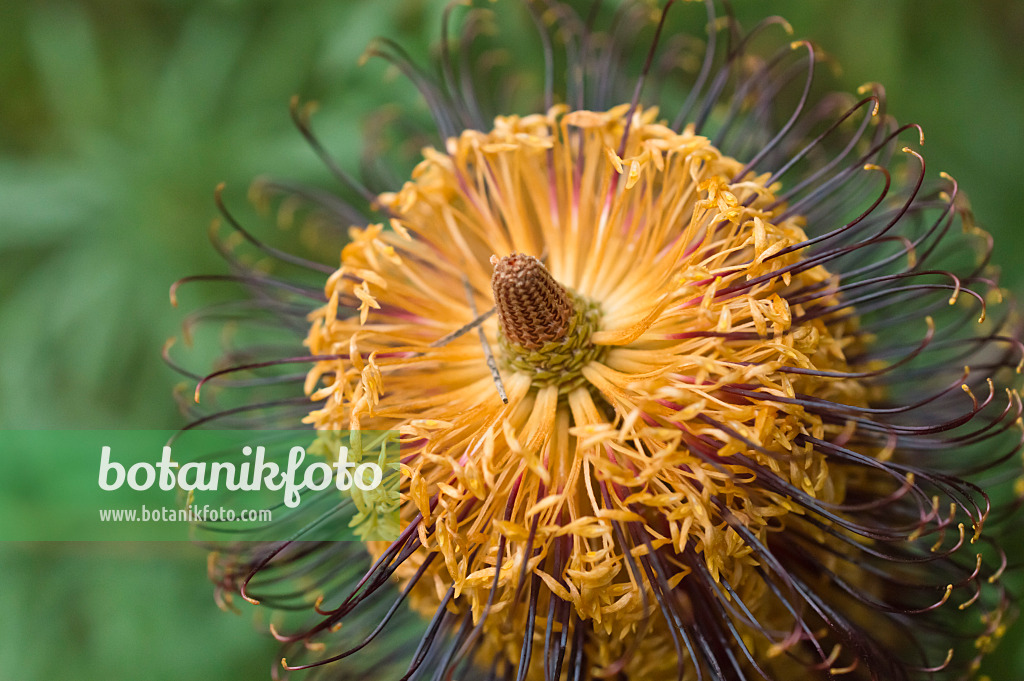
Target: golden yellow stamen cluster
674,255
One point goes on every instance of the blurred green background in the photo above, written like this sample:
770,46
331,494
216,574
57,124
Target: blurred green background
117,119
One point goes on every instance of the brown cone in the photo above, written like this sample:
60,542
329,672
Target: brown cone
533,308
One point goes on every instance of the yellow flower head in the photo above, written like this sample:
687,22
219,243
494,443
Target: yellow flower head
687,394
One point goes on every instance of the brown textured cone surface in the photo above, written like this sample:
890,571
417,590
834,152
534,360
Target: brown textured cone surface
533,308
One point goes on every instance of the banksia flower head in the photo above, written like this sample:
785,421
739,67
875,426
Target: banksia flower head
712,384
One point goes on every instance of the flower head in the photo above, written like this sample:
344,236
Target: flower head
709,392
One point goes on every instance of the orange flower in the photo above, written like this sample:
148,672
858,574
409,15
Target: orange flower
680,396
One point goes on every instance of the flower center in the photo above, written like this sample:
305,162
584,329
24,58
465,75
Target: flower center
545,329
641,372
